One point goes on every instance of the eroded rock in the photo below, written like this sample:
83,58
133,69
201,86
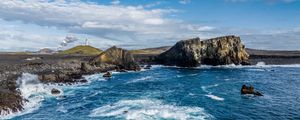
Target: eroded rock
216,51
122,59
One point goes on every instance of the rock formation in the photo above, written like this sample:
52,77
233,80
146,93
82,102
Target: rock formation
215,51
122,59
249,90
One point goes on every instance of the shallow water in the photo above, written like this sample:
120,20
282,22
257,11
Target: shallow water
174,93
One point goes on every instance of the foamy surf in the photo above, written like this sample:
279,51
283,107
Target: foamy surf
149,109
210,95
31,90
140,79
214,97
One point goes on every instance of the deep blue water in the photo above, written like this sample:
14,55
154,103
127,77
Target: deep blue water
174,93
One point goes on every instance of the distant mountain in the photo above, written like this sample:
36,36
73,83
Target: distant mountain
82,49
46,51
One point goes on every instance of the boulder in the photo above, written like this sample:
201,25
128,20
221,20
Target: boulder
249,90
55,91
107,75
119,57
216,51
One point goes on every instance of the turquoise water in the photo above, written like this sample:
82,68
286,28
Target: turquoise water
173,93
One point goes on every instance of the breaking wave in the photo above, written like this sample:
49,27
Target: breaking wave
210,95
31,90
140,79
214,97
148,109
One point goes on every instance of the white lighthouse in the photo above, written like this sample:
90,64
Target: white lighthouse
86,42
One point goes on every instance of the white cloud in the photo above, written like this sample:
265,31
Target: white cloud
122,24
104,25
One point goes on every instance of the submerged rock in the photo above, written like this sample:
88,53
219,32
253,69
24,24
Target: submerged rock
55,91
250,90
107,75
119,57
216,51
148,67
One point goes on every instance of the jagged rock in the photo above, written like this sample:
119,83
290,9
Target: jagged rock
215,51
249,90
122,59
59,77
107,75
55,91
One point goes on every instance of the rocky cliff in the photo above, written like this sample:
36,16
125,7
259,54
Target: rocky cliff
215,51
122,59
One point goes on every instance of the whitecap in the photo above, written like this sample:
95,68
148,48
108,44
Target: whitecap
204,88
140,79
147,109
33,91
93,77
215,97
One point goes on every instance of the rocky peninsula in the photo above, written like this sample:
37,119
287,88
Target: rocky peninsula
55,68
69,68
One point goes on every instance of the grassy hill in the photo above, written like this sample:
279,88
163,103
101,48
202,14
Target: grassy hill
82,49
157,50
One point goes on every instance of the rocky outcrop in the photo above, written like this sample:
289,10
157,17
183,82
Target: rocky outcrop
120,58
215,51
10,98
249,90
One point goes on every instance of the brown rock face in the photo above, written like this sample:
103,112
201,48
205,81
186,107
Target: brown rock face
122,59
216,51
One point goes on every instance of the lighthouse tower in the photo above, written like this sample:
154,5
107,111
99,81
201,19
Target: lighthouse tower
86,42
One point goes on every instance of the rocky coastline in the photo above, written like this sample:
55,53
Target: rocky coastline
55,68
68,69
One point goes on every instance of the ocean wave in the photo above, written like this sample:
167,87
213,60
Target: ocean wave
140,79
204,88
147,109
210,95
94,77
215,97
33,91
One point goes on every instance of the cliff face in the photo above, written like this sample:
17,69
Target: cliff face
215,51
122,59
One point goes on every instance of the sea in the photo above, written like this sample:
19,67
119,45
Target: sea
168,93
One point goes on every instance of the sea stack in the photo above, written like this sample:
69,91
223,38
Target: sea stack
216,51
120,58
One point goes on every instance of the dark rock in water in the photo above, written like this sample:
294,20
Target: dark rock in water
217,51
148,67
83,81
55,91
107,75
125,112
119,57
250,90
122,70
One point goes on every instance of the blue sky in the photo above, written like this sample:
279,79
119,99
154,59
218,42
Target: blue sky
36,24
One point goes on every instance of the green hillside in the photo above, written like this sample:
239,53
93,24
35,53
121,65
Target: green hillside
82,49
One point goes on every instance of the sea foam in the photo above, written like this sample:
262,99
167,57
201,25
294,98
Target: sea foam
31,90
148,109
214,97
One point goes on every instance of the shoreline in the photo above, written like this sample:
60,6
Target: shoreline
57,68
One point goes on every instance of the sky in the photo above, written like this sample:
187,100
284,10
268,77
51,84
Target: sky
29,25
